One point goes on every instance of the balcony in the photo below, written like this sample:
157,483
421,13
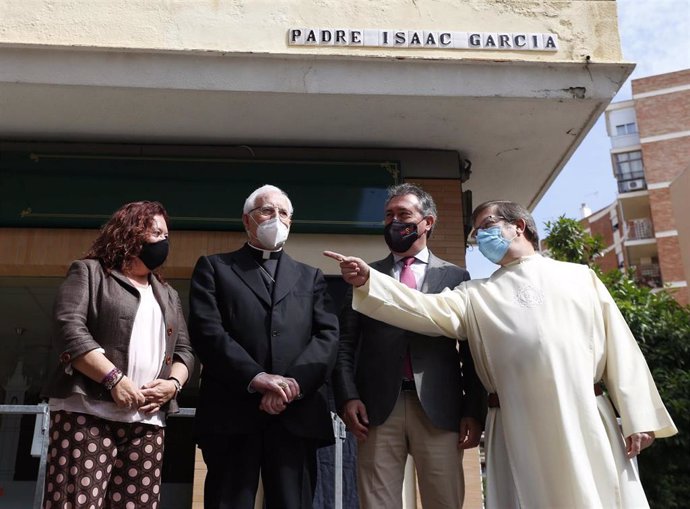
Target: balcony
625,140
639,239
648,275
639,229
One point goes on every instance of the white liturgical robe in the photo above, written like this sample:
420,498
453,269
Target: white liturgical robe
541,333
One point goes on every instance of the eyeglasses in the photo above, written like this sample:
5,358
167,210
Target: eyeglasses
488,222
270,211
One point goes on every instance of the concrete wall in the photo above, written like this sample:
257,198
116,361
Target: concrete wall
585,27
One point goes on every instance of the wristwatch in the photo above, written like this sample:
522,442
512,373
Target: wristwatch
178,384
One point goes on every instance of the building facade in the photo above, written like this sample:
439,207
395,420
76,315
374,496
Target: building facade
649,225
195,103
604,224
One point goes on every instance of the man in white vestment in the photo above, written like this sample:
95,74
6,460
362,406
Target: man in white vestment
543,334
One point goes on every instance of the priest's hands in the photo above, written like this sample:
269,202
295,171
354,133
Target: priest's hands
272,403
287,388
277,391
354,270
637,442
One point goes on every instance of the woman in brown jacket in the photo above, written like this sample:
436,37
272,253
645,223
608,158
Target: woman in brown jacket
124,356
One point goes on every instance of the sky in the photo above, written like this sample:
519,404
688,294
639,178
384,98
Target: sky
655,34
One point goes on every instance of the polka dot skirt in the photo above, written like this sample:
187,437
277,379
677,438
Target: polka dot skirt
95,463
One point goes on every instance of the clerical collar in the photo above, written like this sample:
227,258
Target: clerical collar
265,254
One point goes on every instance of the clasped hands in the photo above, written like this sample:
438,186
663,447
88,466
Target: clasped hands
149,399
277,391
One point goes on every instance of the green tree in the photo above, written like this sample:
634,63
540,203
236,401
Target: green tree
662,329
568,241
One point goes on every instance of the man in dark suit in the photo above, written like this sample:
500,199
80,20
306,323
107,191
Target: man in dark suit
260,325
399,392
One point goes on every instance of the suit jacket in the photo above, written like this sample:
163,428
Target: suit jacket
96,309
371,355
238,331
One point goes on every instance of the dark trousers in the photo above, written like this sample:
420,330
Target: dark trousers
287,464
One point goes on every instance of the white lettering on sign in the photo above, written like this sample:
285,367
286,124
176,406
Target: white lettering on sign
422,39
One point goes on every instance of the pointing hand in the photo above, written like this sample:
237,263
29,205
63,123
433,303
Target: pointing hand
354,270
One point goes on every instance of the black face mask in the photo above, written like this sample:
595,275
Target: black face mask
153,254
400,236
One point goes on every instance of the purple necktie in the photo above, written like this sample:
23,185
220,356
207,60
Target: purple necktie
407,278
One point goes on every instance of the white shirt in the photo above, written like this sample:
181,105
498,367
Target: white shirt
146,354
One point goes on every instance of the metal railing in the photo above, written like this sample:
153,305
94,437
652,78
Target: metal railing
648,274
42,412
339,433
639,229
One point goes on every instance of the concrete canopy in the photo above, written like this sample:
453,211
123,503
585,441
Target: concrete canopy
518,123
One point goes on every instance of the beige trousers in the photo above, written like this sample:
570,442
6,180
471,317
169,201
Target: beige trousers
381,460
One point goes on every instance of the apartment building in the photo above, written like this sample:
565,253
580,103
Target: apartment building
648,227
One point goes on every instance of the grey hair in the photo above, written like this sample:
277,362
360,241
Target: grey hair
511,211
250,202
427,206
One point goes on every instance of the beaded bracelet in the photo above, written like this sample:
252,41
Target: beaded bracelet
112,378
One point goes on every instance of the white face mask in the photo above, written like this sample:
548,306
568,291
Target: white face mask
272,234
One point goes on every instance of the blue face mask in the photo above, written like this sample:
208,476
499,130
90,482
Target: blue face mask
492,244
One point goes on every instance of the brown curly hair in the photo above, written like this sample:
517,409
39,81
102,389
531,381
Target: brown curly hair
122,237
